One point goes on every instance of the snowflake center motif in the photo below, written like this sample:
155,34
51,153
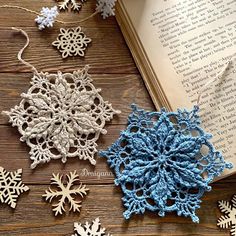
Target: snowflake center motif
164,162
61,116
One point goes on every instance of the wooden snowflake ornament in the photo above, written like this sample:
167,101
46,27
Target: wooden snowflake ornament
229,219
11,186
76,5
93,229
72,42
63,193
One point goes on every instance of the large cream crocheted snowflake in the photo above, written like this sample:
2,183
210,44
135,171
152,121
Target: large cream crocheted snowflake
61,116
93,229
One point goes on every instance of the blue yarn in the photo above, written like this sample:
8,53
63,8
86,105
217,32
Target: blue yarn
159,164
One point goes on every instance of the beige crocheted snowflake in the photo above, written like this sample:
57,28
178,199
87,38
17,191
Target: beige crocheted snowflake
76,5
61,116
72,42
11,186
229,219
65,193
90,229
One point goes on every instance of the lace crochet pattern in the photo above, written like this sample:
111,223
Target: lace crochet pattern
164,162
61,116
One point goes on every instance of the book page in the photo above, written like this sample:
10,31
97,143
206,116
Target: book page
188,42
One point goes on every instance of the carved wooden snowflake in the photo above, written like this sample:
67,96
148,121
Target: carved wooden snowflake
93,229
76,5
229,219
72,42
11,186
64,193
61,116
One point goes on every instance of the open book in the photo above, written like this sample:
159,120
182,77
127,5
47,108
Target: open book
179,46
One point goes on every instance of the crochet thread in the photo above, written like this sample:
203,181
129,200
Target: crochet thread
164,162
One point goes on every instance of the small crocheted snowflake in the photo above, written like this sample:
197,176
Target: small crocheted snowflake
11,186
164,162
71,42
61,116
90,229
229,220
65,193
106,7
47,17
75,4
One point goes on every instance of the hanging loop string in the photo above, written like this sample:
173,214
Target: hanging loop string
19,56
78,21
59,21
21,8
218,76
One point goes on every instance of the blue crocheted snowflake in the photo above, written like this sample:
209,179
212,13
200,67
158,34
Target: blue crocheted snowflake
164,162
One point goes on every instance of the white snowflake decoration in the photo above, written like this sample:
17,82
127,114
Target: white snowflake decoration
93,229
75,4
61,116
11,186
47,17
229,219
72,42
106,7
65,193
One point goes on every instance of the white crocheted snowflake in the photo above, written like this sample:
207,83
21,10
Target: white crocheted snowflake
65,193
72,42
93,229
76,5
229,219
106,7
61,116
11,186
